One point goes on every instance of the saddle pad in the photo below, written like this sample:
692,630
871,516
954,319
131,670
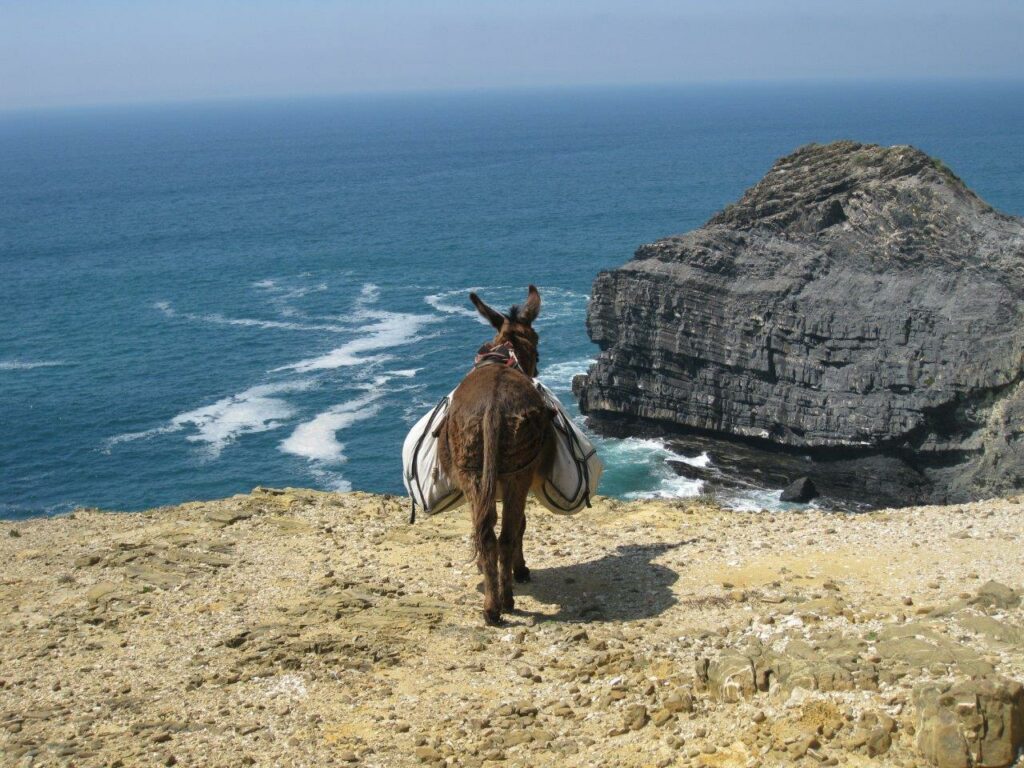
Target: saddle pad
574,477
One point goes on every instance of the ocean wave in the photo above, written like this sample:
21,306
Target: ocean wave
330,480
651,457
755,501
28,365
556,303
701,461
271,285
561,303
387,330
671,488
256,409
406,373
215,318
130,437
633,450
369,293
317,439
558,376
442,302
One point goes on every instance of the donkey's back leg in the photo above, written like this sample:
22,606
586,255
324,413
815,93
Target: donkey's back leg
484,517
519,570
510,542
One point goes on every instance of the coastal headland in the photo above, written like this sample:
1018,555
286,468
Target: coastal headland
296,627
855,316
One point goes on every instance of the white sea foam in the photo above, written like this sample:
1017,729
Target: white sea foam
754,501
317,439
217,425
653,456
556,303
558,376
216,318
387,330
254,410
28,365
639,450
368,294
444,302
406,373
330,480
219,319
560,303
129,437
671,488
280,293
701,461
384,330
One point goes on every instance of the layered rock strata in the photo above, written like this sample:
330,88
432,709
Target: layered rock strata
858,301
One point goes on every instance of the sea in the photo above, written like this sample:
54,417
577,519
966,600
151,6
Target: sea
197,299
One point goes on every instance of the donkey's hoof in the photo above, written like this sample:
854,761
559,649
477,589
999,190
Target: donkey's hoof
493,618
521,574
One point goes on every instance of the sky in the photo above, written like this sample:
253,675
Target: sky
81,52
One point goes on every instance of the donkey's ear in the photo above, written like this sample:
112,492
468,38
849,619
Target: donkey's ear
494,318
532,306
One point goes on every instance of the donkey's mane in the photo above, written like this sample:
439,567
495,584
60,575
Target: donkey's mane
513,313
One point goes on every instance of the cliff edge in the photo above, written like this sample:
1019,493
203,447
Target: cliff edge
290,627
858,302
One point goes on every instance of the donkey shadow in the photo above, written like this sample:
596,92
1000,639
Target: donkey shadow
621,586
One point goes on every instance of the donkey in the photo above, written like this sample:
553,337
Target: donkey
499,431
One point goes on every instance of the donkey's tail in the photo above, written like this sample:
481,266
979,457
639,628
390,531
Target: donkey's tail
487,509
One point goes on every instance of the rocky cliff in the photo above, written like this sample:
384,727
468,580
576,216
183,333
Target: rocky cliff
858,302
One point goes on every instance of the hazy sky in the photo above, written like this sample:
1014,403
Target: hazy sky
64,52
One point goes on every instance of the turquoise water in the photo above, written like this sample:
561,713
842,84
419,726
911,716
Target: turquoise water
200,299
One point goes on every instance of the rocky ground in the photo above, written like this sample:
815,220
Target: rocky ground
303,628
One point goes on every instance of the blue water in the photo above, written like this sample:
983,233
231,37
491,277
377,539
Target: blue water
200,299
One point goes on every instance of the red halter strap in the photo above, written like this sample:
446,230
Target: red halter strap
499,354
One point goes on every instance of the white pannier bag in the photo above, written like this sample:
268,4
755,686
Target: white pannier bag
575,472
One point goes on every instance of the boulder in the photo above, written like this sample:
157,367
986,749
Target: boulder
859,307
997,595
800,491
976,722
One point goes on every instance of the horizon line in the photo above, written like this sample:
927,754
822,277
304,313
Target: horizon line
6,111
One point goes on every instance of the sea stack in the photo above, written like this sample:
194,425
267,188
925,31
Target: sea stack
858,305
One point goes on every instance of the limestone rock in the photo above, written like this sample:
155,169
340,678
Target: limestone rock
857,300
976,722
635,717
997,595
731,677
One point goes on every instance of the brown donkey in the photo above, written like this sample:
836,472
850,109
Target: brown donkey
498,431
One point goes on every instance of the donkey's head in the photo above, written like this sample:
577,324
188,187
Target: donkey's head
516,328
